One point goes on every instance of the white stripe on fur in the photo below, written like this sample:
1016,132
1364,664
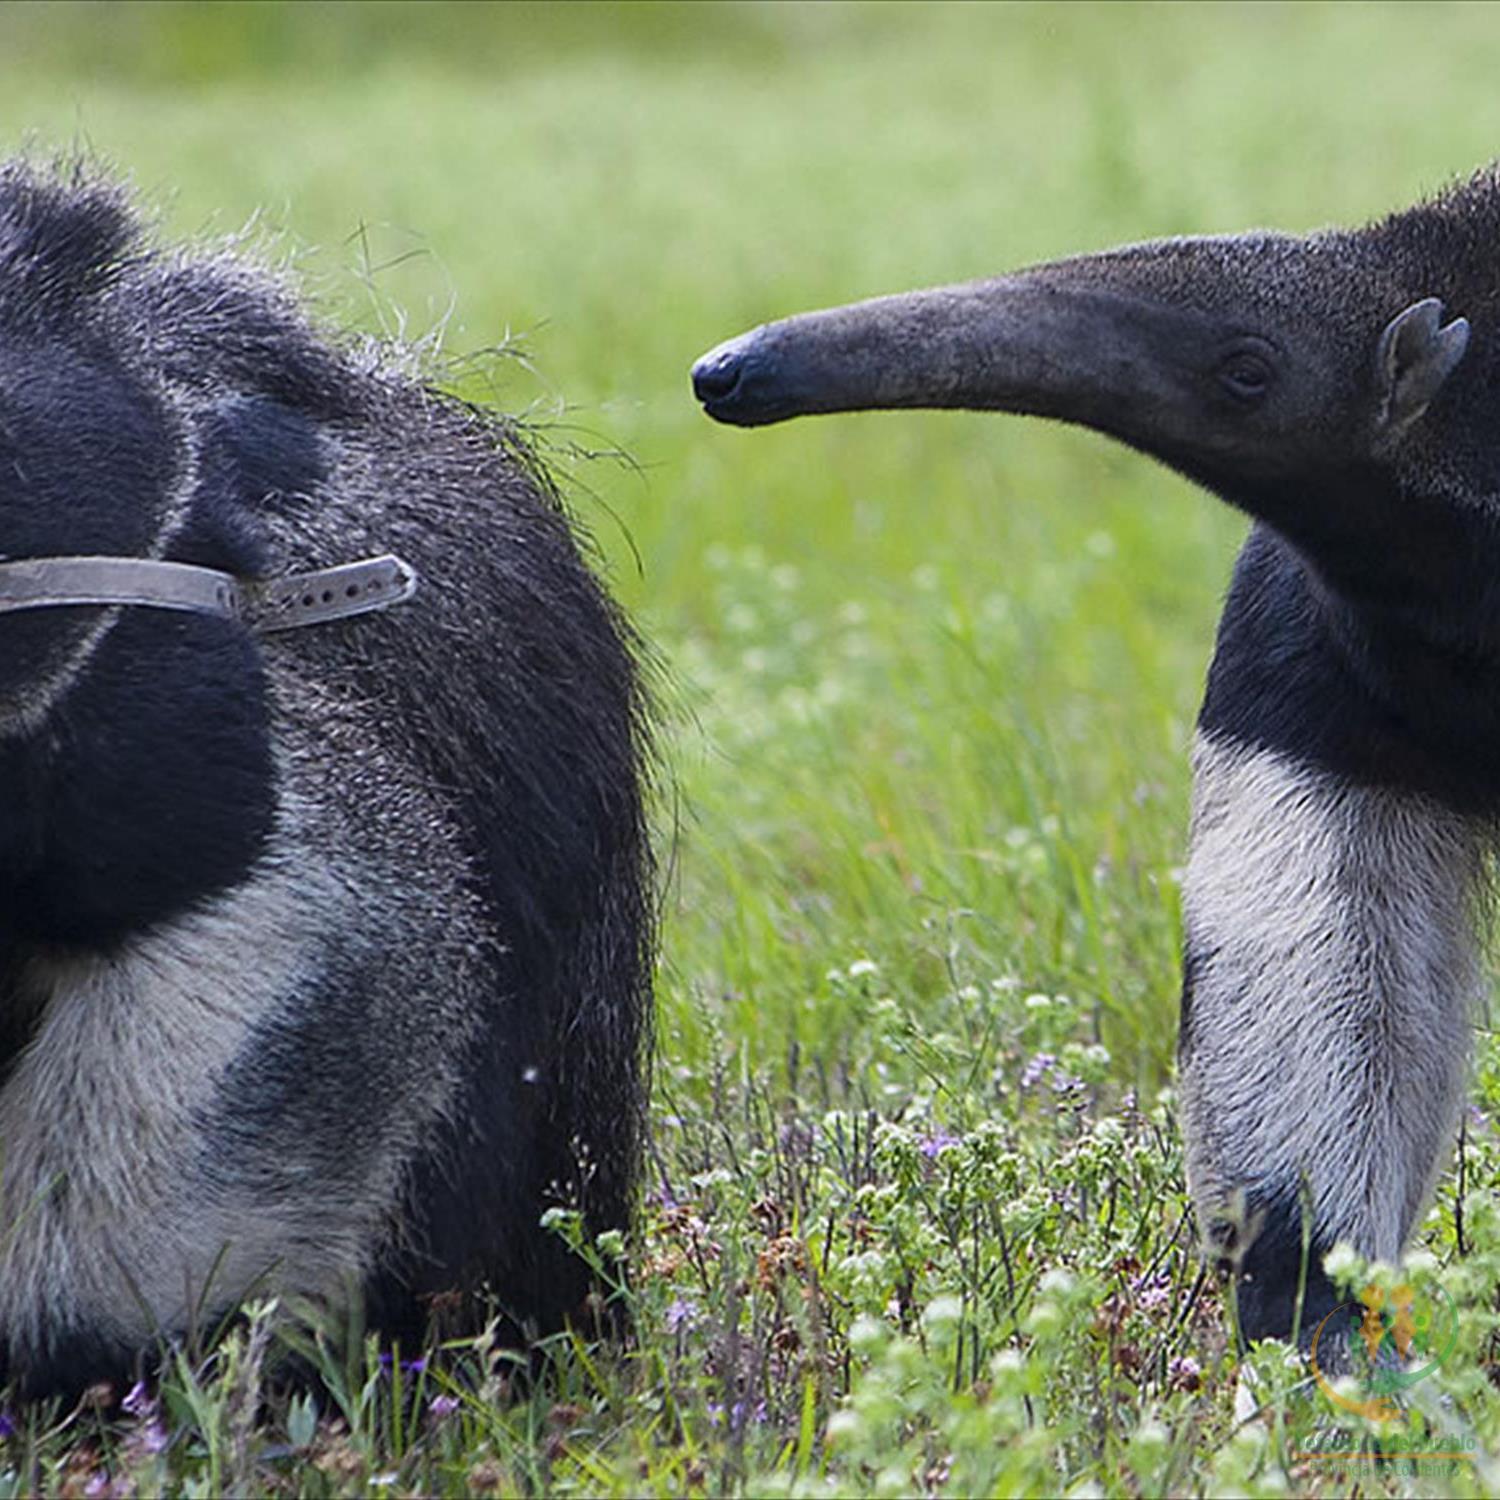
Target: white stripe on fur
1336,976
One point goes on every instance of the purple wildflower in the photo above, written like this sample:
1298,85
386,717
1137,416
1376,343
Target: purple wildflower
1037,1069
153,1438
7,1425
443,1406
682,1314
138,1400
739,1413
936,1141
1152,1291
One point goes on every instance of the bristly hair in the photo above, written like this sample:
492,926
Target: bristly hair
1472,200
65,235
1451,240
73,248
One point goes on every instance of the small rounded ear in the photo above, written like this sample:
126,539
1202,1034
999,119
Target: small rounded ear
1416,354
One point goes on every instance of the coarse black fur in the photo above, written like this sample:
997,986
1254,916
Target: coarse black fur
368,901
1342,389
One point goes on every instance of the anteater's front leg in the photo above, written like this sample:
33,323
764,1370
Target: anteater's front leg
1330,971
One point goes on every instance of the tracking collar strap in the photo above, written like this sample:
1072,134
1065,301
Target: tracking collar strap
264,605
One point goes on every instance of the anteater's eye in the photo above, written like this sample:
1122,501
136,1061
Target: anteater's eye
1245,375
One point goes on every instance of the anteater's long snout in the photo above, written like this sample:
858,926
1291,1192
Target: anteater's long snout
891,351
1033,343
743,382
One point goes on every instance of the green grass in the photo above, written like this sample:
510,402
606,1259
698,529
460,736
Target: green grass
930,685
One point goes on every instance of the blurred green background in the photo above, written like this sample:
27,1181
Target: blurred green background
930,678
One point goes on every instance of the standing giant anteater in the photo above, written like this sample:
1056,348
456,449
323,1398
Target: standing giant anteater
1342,389
324,951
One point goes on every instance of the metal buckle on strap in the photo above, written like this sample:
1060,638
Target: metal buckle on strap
354,588
268,605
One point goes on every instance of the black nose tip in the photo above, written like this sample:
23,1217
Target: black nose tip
716,375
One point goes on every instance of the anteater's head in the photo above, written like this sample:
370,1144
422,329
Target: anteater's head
1269,367
150,408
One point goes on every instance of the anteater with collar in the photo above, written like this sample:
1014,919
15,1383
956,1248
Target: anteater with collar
1340,388
324,951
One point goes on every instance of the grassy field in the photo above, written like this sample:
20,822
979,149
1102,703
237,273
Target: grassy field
915,1220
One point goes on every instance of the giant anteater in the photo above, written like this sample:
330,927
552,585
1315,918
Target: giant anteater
324,951
1340,388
